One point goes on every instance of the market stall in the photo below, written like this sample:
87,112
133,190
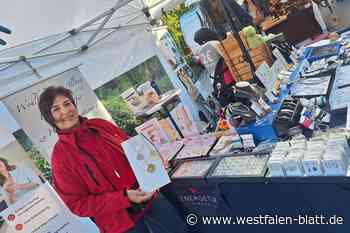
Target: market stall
303,177
278,155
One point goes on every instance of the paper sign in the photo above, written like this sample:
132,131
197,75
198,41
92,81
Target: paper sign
152,130
40,211
184,121
146,163
280,57
276,68
266,76
169,129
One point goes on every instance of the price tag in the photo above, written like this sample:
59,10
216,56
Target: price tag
266,76
280,57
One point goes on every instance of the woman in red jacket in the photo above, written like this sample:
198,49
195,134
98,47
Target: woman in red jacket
92,175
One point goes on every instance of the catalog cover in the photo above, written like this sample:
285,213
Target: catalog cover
153,131
146,163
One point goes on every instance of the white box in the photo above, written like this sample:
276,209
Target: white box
333,167
293,167
312,167
275,166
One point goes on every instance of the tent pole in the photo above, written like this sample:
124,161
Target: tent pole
16,59
99,29
13,60
118,5
35,71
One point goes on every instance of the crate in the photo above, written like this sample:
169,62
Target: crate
234,59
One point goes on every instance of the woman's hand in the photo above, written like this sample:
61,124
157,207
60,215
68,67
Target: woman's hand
137,196
27,186
10,187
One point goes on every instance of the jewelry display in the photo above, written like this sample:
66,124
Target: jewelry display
168,151
196,146
250,165
196,168
314,86
223,146
340,93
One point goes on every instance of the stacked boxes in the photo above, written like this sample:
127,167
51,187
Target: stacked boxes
317,157
234,59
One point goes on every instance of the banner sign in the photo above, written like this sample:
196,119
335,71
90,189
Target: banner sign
23,105
39,211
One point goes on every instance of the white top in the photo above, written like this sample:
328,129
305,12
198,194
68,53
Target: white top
22,175
209,55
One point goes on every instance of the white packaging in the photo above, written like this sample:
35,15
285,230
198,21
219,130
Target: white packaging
312,167
283,146
293,167
275,166
334,162
279,153
333,167
292,163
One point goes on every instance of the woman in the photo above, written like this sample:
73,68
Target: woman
211,57
16,181
92,175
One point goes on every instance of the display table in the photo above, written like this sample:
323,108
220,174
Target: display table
271,197
262,129
296,27
313,204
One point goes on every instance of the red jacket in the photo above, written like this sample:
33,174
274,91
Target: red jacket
88,190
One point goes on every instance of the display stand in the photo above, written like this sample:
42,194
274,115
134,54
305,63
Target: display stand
166,99
272,199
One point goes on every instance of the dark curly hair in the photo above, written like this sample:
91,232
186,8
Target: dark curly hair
46,101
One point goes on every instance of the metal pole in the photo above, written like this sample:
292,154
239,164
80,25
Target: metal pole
16,59
72,32
35,71
13,60
93,36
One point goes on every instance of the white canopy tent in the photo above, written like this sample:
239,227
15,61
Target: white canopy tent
112,43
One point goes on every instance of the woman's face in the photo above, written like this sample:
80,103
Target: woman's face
2,167
64,113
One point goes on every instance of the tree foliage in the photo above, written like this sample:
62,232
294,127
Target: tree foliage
172,20
109,94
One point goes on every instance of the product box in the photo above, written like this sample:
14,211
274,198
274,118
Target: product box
312,167
275,166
